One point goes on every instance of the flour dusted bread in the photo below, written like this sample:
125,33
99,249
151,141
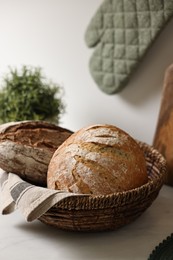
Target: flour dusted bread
99,160
26,148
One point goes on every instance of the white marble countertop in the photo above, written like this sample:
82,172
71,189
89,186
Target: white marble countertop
20,240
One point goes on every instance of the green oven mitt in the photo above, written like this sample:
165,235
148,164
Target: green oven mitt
121,32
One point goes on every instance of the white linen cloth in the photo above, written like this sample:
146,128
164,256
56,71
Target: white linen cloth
31,200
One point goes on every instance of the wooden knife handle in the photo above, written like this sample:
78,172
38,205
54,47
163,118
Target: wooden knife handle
163,139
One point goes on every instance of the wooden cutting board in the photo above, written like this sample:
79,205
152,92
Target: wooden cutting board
163,139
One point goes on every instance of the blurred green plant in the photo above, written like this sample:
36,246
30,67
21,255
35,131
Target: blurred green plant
28,95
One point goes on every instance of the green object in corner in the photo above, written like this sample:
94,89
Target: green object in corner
122,32
164,251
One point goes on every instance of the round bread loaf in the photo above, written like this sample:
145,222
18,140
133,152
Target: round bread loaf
26,148
99,160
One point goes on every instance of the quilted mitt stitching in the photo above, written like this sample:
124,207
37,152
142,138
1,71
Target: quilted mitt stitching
121,32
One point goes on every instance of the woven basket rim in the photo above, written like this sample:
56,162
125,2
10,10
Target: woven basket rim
109,212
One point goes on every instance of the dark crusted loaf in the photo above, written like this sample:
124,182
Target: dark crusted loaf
26,148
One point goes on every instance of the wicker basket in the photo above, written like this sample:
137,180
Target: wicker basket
98,213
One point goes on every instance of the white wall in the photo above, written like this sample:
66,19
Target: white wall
50,34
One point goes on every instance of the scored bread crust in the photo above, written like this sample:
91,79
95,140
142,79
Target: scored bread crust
26,148
100,159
